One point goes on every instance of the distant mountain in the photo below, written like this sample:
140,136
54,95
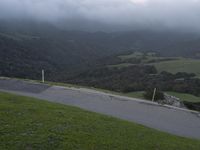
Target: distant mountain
27,47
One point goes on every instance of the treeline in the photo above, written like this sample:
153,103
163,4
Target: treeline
137,78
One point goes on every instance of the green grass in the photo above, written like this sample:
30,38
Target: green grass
133,55
122,65
179,65
176,64
27,123
145,58
185,97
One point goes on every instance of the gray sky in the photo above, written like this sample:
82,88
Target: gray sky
183,14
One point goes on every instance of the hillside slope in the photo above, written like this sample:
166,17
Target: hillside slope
28,123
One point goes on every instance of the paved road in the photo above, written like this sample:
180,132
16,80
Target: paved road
174,121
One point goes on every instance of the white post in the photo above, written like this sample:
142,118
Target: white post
42,76
154,94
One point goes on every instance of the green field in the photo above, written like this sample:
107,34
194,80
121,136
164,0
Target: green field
133,55
176,64
121,65
27,124
185,97
180,65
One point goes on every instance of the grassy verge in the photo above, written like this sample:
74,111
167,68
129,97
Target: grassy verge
28,123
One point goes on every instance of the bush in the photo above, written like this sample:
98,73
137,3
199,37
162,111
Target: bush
158,95
192,106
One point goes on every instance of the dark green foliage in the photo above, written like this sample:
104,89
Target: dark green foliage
158,95
121,80
192,105
137,78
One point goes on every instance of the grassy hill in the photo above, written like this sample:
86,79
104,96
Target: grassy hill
28,123
169,64
179,65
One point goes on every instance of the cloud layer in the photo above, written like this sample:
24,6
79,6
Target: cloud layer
182,14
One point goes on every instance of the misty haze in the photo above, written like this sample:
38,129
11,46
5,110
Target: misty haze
117,14
100,74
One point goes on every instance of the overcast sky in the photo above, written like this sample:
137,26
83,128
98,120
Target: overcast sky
184,14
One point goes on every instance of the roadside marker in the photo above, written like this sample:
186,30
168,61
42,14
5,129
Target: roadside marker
154,94
42,76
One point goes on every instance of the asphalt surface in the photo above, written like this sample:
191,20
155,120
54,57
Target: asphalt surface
174,121
21,86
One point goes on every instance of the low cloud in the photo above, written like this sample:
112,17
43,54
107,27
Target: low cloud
172,14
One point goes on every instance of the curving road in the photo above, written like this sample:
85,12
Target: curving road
175,121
